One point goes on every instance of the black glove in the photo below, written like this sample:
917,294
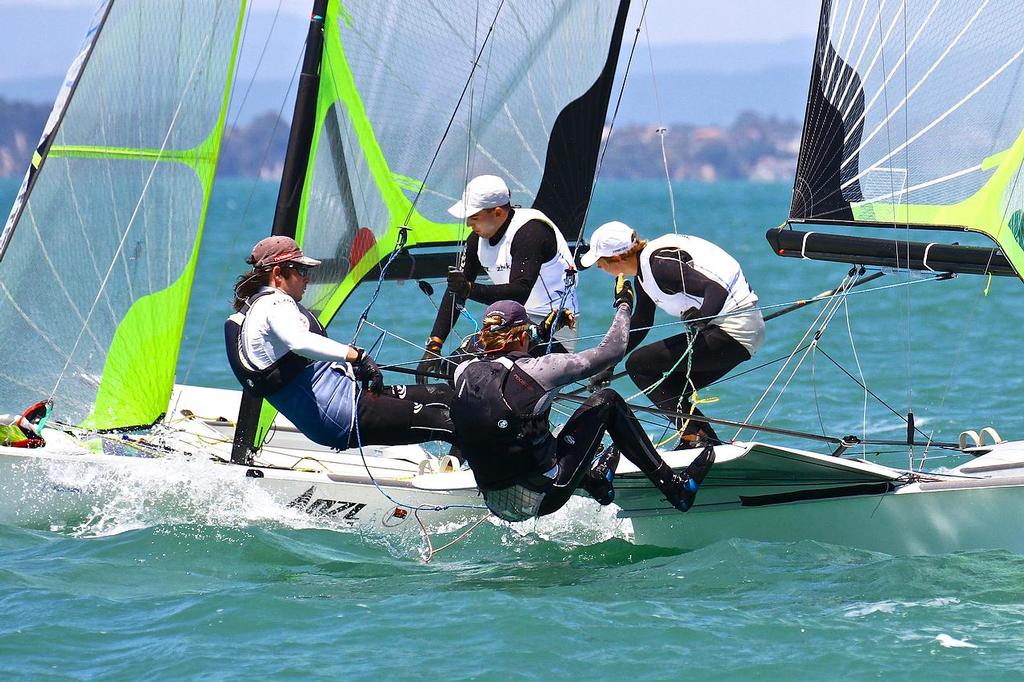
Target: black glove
555,320
366,371
601,379
431,361
623,292
690,317
458,284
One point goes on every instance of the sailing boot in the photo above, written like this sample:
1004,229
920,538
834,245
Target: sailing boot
697,435
598,481
681,489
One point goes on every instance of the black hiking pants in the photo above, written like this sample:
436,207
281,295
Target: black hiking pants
714,355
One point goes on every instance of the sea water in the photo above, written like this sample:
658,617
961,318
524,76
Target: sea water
235,589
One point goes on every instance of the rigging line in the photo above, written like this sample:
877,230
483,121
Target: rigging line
661,130
809,351
921,280
237,228
402,237
872,393
814,389
959,103
908,301
138,205
380,489
611,128
822,313
726,422
455,111
860,372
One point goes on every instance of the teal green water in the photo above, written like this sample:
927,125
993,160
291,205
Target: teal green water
223,597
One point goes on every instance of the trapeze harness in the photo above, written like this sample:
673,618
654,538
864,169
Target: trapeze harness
550,287
716,264
506,444
269,380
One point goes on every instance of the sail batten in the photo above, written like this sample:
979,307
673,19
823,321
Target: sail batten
924,134
114,212
392,141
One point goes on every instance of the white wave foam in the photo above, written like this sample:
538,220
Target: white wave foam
953,643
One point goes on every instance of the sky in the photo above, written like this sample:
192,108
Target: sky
755,37
672,21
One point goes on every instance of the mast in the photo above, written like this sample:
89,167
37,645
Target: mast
293,178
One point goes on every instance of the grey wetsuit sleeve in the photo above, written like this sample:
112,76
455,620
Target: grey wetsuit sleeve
561,369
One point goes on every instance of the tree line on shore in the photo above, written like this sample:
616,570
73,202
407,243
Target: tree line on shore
754,147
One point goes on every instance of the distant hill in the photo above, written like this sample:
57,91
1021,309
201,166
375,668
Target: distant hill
752,146
21,124
698,84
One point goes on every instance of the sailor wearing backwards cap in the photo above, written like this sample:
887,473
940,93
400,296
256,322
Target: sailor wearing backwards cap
500,413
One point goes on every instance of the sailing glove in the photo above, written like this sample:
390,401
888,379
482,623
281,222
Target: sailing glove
555,320
601,379
368,373
623,292
692,318
431,360
458,284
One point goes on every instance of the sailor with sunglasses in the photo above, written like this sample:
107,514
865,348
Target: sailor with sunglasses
279,350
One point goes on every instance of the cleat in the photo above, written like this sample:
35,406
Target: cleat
598,481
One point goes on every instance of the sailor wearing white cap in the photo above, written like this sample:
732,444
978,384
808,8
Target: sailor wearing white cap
522,252
689,278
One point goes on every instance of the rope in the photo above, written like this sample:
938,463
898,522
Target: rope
414,508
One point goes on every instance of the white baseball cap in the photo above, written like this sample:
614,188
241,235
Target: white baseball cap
483,191
611,239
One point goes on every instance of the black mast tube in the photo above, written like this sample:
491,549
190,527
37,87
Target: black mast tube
289,197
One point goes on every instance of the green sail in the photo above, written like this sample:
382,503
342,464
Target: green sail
101,247
404,119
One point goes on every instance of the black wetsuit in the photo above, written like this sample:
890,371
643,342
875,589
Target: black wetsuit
500,413
533,246
714,352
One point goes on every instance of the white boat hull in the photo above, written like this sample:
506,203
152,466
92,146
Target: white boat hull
859,505
110,483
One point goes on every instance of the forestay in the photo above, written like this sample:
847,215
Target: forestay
915,117
100,249
415,98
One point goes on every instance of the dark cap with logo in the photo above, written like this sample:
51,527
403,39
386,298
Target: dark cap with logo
502,315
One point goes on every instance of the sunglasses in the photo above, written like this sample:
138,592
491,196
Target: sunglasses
300,269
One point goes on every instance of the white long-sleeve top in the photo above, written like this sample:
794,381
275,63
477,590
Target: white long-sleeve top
274,325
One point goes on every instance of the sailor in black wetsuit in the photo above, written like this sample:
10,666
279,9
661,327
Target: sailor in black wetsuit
501,408
524,255
279,350
692,279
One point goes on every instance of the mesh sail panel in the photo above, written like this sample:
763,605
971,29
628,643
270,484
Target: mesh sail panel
915,116
94,281
392,77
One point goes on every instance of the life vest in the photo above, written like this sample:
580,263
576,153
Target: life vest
492,412
549,288
711,261
264,382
